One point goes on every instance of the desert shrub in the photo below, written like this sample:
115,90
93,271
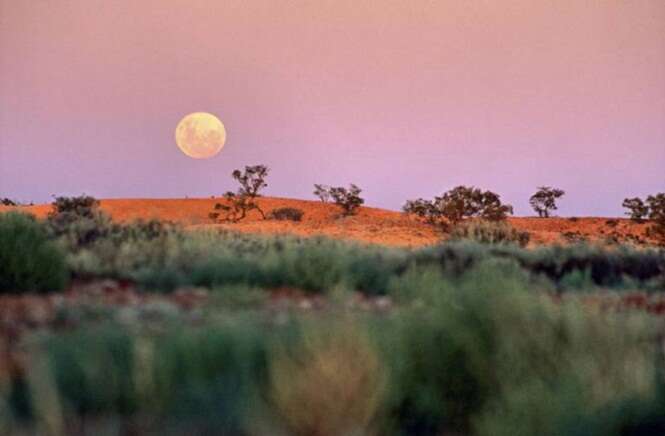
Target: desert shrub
461,202
29,261
637,209
606,267
486,355
321,264
552,372
287,213
173,258
146,230
442,360
625,417
95,243
78,221
80,231
323,192
188,381
331,382
214,260
482,352
348,199
544,200
82,206
8,202
574,237
238,204
489,233
612,223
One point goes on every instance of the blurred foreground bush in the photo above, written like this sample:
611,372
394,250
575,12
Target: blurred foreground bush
29,261
483,354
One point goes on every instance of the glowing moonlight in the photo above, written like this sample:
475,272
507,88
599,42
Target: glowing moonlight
200,135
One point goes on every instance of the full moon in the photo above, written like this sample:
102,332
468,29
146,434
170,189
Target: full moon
200,135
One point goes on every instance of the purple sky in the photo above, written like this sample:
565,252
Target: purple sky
404,98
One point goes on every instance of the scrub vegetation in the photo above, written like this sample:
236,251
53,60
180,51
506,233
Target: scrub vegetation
171,331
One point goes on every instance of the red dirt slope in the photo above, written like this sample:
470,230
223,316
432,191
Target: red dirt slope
370,225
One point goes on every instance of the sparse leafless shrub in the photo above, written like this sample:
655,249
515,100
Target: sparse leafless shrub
544,200
348,199
239,203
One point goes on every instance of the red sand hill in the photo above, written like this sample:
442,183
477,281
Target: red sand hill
370,225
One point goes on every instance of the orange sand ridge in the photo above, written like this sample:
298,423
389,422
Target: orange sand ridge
371,225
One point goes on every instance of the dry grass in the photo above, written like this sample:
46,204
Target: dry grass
332,384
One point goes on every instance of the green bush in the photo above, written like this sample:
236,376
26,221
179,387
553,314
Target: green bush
486,355
488,232
482,353
186,380
608,268
29,261
161,256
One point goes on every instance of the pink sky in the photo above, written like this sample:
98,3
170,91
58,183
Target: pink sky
404,98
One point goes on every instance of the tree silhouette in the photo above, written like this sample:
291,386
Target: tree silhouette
348,199
323,192
460,203
637,209
656,204
544,200
239,203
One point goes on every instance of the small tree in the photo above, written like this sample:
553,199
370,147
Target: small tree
323,192
423,209
491,208
656,204
460,203
8,202
348,199
239,203
637,209
544,200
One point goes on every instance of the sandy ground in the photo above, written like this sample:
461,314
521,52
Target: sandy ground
370,225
